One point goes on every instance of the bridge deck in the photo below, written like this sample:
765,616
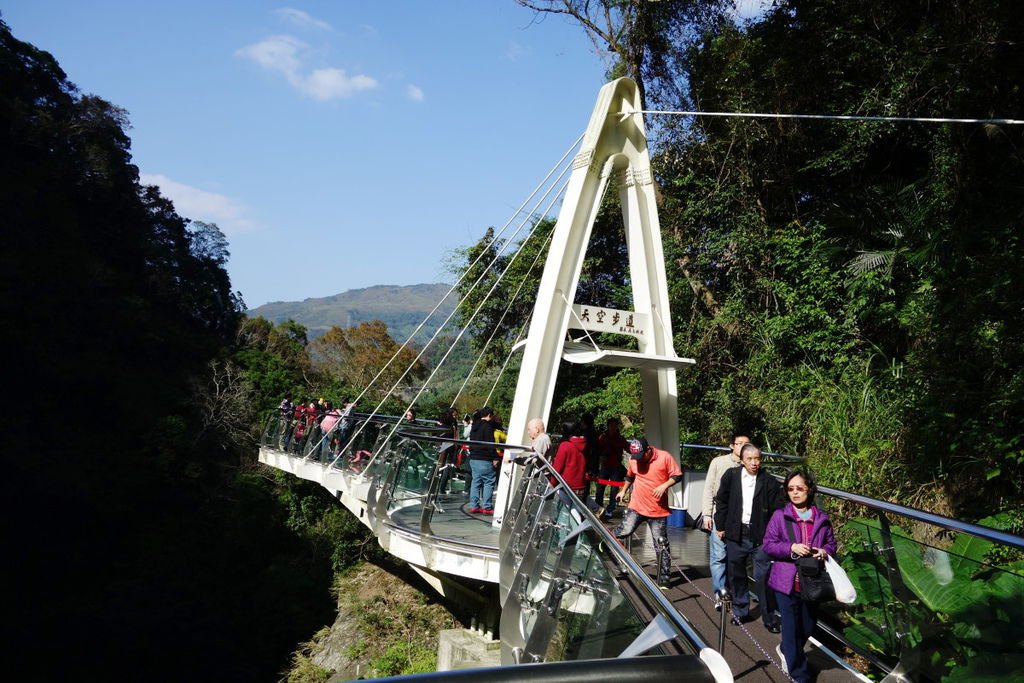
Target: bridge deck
452,521
750,649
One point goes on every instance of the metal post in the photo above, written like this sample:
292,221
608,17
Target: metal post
723,614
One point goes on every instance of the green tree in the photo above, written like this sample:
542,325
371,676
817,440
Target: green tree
768,214
136,519
364,353
915,362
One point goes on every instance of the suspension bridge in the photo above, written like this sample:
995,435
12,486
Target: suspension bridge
548,581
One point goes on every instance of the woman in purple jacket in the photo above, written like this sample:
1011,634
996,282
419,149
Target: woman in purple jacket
814,537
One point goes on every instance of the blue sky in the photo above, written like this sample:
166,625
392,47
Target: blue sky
338,144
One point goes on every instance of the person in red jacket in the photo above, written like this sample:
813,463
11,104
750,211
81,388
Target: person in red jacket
570,460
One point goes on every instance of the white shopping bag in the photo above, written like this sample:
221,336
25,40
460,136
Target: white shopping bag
845,592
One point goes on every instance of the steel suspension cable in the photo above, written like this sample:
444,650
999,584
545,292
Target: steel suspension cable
508,358
469,322
479,279
512,300
504,247
454,287
825,117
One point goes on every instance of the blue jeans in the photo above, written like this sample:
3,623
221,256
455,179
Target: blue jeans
485,474
657,528
798,620
716,547
737,554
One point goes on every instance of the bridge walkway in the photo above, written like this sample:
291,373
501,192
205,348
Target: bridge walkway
451,521
749,649
566,590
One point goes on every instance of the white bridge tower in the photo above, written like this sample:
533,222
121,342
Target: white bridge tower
615,144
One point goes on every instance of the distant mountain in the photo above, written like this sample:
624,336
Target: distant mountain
400,308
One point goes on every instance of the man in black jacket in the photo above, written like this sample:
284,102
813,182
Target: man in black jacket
483,463
745,501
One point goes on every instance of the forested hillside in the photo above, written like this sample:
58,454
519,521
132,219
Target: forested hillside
143,542
851,291
400,308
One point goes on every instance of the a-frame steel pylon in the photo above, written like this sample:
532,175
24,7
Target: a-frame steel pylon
615,144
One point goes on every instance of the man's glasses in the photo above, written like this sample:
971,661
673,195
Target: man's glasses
796,488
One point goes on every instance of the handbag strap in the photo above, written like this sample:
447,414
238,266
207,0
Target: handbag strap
791,531
789,528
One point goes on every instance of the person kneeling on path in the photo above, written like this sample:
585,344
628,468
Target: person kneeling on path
651,473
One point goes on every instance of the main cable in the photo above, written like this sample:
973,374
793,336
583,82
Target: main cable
827,117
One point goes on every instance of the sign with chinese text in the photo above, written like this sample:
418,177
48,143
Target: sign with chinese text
601,319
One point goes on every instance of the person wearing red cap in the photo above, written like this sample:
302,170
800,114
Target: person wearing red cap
651,473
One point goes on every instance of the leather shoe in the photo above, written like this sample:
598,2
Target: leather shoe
774,628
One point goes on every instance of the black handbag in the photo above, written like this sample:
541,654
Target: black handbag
815,583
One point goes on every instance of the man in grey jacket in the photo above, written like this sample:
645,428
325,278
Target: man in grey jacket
716,469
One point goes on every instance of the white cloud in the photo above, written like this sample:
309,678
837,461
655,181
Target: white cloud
328,84
415,93
516,51
285,55
200,205
276,53
297,17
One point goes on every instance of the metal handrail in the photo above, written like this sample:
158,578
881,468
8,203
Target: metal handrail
463,442
614,552
977,530
784,456
623,558
984,532
681,668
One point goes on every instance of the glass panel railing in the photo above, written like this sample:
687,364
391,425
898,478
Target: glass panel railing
564,583
533,583
953,612
411,480
272,430
596,621
564,578
415,467
518,524
939,599
873,625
